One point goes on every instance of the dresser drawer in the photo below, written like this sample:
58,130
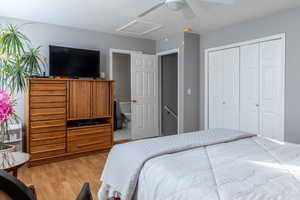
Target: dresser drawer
48,92
49,105
49,134
48,129
44,151
90,143
48,99
47,111
82,132
47,124
48,86
51,139
46,81
48,117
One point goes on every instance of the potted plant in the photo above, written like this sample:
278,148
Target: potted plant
18,60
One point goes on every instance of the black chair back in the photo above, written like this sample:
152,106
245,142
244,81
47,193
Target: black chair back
14,188
85,193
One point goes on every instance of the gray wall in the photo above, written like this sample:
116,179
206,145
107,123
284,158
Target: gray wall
46,34
173,42
191,81
287,22
188,44
121,74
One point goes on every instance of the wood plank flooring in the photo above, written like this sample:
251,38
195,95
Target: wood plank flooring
63,180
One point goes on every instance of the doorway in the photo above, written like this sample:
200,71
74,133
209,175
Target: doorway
136,94
169,94
121,73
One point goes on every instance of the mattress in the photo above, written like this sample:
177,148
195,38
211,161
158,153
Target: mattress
244,168
248,169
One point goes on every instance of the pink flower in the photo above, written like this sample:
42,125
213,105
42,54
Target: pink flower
6,106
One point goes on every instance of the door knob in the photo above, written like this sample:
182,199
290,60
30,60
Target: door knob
257,105
134,101
224,102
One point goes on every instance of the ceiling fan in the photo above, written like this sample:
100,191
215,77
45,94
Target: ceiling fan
182,5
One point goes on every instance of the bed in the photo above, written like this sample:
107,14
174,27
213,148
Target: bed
217,164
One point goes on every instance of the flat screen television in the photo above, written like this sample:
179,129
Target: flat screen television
72,62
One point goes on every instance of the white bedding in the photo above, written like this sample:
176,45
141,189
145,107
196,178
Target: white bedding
246,168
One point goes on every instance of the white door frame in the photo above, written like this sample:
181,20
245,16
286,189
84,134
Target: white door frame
264,39
179,103
121,51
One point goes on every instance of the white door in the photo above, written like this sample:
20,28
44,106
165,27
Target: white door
216,89
224,89
144,90
231,87
272,87
249,88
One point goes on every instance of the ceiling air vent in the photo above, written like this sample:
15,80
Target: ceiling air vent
139,27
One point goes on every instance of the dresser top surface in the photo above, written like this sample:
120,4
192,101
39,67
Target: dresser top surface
66,79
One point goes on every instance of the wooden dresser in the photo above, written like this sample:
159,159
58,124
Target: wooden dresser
67,118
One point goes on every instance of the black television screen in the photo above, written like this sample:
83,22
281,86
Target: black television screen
72,62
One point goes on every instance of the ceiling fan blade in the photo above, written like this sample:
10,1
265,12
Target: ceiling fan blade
220,1
151,9
188,12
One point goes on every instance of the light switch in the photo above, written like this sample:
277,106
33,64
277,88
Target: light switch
189,91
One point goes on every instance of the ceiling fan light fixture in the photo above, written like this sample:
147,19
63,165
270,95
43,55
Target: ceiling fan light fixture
175,5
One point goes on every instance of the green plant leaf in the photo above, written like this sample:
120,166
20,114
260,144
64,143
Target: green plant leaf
32,61
18,59
12,41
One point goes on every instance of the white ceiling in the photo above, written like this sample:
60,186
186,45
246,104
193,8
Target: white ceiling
109,15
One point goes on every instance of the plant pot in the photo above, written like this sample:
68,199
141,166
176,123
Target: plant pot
11,148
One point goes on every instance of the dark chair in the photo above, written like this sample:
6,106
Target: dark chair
85,193
14,188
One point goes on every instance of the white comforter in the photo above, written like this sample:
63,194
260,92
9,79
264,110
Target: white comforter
215,165
248,169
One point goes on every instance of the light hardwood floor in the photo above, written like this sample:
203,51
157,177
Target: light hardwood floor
63,180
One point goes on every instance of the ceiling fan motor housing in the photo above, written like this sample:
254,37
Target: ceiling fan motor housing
175,4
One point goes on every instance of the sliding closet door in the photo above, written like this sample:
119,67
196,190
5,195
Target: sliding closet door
224,89
246,88
216,89
272,87
249,88
231,66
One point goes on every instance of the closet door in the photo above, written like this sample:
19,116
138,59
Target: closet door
231,88
272,87
216,89
224,89
249,88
